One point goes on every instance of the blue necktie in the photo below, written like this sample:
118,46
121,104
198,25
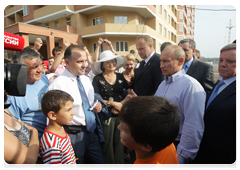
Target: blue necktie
90,119
185,68
214,93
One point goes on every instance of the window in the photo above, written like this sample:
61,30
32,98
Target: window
188,30
120,20
121,46
180,27
168,35
169,19
181,15
95,46
56,24
97,21
68,19
181,38
165,32
188,22
139,21
160,9
47,25
160,48
188,12
165,14
160,29
25,10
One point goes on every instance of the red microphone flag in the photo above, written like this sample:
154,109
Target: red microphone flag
13,42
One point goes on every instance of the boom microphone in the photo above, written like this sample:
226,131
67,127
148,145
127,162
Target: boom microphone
13,42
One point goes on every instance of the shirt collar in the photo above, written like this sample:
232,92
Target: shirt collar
229,80
189,62
69,74
149,57
174,77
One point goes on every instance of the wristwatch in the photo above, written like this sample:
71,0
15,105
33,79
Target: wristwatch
108,104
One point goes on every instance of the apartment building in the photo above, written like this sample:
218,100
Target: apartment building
185,21
84,24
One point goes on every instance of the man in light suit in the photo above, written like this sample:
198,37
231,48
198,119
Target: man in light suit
149,75
199,70
218,145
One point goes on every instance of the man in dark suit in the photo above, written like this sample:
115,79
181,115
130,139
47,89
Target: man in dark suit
199,70
149,75
218,145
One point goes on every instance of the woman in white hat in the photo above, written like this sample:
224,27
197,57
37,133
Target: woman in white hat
113,88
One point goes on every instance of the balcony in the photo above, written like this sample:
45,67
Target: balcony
51,12
12,9
115,29
67,28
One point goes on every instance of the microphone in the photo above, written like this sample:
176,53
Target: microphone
13,42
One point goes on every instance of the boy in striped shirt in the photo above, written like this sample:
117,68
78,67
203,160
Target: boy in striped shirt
55,144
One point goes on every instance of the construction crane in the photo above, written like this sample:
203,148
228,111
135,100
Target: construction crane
229,32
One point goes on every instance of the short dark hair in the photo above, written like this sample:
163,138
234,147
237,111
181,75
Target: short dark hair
53,100
19,57
58,48
68,51
151,120
192,43
101,66
163,46
132,51
50,58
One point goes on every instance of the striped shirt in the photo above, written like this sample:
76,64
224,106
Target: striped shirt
55,149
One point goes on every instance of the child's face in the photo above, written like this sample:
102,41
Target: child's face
65,114
126,137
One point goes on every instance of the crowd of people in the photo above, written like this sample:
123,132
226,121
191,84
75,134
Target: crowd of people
83,109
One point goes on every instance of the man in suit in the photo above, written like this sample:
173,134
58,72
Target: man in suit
149,75
218,145
199,70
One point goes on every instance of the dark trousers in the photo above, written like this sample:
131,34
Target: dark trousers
86,145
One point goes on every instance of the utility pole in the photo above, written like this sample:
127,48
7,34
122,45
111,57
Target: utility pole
229,32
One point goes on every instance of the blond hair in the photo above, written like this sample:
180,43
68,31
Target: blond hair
130,57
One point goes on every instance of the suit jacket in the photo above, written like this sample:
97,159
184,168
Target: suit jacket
203,73
218,145
103,115
148,78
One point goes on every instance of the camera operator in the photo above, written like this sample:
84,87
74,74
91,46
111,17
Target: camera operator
28,108
91,75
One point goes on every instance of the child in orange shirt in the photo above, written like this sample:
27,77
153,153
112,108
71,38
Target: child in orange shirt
149,125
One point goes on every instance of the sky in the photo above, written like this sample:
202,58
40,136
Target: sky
211,33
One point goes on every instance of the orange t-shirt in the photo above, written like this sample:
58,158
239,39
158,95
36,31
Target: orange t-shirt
166,156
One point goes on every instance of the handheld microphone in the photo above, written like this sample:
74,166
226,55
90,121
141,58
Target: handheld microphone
13,42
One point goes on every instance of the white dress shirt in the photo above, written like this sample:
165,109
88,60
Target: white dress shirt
68,82
149,57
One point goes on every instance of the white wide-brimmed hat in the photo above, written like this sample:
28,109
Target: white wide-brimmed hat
106,56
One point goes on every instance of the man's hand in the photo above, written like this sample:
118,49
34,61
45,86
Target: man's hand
100,41
117,105
66,45
114,111
98,107
129,96
37,44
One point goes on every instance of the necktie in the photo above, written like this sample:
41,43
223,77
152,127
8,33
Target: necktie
185,68
90,119
215,92
142,63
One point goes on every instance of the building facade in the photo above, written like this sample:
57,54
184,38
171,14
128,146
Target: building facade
84,24
185,21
